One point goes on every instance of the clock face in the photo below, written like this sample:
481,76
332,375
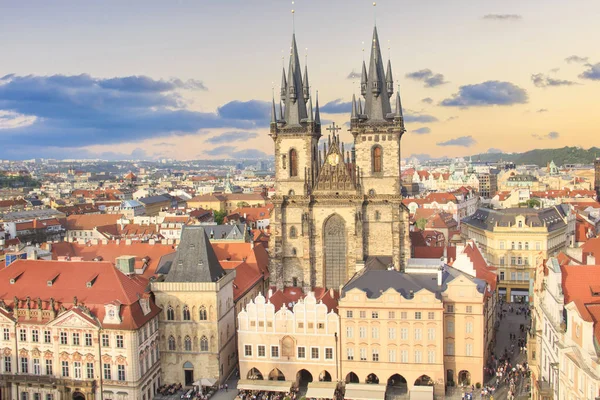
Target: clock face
333,159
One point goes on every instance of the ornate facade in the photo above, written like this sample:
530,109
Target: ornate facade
334,208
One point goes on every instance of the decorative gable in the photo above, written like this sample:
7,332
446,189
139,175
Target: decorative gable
335,174
112,314
145,305
71,319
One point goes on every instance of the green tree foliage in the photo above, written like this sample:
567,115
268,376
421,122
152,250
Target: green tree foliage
421,223
219,216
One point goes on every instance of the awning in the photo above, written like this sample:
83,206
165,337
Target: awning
321,390
264,386
501,291
519,292
364,391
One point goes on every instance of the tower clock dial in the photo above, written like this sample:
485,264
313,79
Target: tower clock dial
333,159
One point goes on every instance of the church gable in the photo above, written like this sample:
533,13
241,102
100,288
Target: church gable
336,174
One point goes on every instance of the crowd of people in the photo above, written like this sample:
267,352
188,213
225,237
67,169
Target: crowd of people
171,389
265,395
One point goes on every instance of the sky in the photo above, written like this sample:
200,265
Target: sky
193,79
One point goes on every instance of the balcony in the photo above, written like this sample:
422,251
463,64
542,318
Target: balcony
47,380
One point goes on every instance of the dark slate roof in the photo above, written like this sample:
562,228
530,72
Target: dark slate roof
226,232
552,218
195,260
376,281
165,263
155,199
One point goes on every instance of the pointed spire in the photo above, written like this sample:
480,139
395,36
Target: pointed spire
281,116
317,112
398,105
273,112
295,111
389,80
283,86
363,80
360,110
305,85
354,109
310,110
377,107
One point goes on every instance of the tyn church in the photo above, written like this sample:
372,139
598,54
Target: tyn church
337,210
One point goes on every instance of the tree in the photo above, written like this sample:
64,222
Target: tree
533,203
242,204
421,223
219,216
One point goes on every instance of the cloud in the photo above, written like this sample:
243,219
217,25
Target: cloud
542,110
577,59
427,100
420,118
228,137
227,151
592,73
353,75
337,106
549,136
452,118
493,150
541,80
426,75
11,120
164,144
422,131
74,111
463,141
487,94
503,17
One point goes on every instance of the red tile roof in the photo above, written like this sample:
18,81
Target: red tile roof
580,285
88,222
290,295
482,269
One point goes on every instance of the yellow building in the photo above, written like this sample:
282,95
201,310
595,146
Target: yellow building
512,239
226,201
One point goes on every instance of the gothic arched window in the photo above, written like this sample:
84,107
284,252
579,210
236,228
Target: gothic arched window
203,314
170,314
377,156
293,162
171,343
294,251
203,343
188,343
293,232
377,215
186,313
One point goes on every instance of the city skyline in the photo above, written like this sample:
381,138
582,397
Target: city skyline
194,80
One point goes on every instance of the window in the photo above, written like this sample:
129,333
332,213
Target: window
261,351
23,335
275,351
404,356
107,372
431,315
450,348
203,343
469,309
362,332
301,352
377,215
375,354
6,334
450,308
375,314
329,353
350,353
404,333
538,245
391,333
363,354
431,356
293,163
187,342
314,353
49,369
375,333
186,313
391,315
392,355
501,275
121,372
88,339
501,245
203,314
248,350
65,368
526,245
75,339
47,337
90,370
77,369
349,332
417,333
512,245
7,364
431,333
363,314
37,369
377,159
418,315
469,349
349,314
418,356
450,326
293,232
502,261
35,335
469,327
403,315
170,314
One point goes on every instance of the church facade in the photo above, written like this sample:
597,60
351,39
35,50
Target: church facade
337,210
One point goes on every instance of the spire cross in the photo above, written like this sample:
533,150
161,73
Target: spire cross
333,129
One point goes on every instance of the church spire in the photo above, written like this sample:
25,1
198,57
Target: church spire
360,110
363,80
273,112
310,110
377,107
283,86
295,107
305,85
354,114
389,80
317,112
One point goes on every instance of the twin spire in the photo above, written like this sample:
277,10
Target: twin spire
295,94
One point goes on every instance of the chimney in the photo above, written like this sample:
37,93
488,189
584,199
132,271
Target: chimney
269,293
32,255
128,242
439,276
591,259
151,241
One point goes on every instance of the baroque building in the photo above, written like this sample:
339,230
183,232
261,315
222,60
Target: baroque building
336,209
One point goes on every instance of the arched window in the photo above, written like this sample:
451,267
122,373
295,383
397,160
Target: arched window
294,251
526,245
171,343
291,192
377,155
520,245
186,313
188,343
377,215
293,232
293,163
170,314
203,343
203,314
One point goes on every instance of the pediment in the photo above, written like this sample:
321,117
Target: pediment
72,319
335,174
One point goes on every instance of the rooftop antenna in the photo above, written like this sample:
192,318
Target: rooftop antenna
293,19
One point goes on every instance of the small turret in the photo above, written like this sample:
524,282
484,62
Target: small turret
354,114
363,80
317,112
389,80
273,113
310,111
360,110
305,85
283,86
